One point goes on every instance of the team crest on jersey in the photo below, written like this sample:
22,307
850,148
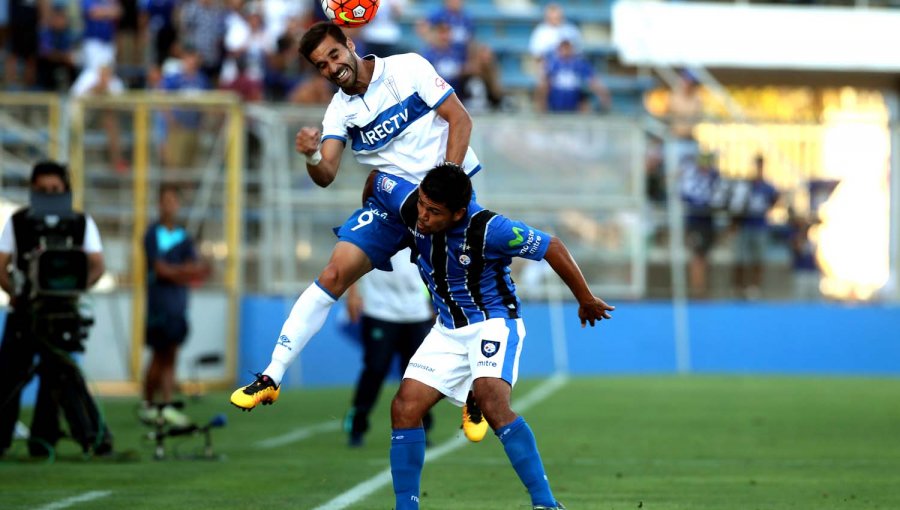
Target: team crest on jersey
387,184
464,259
489,348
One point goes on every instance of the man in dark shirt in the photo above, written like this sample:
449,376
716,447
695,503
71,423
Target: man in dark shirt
55,51
171,266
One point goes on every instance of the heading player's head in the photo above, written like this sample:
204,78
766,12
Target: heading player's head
328,48
49,177
444,196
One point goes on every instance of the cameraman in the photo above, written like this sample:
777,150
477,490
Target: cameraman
48,327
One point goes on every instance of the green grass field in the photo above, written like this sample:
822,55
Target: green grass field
608,443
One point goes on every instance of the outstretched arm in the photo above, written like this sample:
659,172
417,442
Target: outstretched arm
590,307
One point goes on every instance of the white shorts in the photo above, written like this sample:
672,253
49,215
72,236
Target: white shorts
97,53
449,360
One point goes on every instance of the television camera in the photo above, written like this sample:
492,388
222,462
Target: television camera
55,270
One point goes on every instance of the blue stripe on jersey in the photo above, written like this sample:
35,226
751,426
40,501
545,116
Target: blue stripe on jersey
388,125
335,137
475,238
442,99
512,345
466,287
475,170
440,271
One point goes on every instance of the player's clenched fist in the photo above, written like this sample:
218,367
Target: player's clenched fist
307,140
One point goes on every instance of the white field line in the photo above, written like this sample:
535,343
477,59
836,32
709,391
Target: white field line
299,434
360,491
74,500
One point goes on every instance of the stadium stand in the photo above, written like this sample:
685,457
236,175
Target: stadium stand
506,25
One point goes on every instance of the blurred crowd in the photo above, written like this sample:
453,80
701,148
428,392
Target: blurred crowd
250,47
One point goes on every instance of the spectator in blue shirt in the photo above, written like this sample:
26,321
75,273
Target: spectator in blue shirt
757,198
448,59
568,82
699,182
99,45
806,271
202,26
462,28
55,56
183,125
157,22
480,60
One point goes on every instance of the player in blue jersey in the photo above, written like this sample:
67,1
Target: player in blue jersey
400,117
463,253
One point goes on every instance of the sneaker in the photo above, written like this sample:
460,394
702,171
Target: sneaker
148,414
175,418
21,431
559,506
262,391
355,441
473,423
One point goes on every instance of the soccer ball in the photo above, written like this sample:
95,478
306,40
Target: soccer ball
350,13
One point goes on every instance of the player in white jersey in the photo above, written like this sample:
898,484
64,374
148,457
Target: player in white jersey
399,116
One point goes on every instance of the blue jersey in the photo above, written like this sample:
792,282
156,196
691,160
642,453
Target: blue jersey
103,30
567,79
166,299
462,28
762,197
449,63
698,188
160,12
50,40
466,268
186,83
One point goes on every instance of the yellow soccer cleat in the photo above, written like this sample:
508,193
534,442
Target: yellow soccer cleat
473,423
261,391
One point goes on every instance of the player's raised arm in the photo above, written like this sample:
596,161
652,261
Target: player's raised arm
453,111
590,307
322,161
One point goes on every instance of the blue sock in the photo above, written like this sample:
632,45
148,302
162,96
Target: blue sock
518,441
407,460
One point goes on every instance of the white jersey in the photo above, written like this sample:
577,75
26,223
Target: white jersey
393,126
396,296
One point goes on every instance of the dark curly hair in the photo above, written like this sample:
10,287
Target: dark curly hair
447,184
316,34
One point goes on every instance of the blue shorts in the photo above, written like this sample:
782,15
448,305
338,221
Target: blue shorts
377,228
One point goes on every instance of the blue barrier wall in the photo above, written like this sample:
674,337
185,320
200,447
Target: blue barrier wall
725,337
782,338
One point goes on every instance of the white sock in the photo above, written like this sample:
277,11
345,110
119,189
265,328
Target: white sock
306,319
